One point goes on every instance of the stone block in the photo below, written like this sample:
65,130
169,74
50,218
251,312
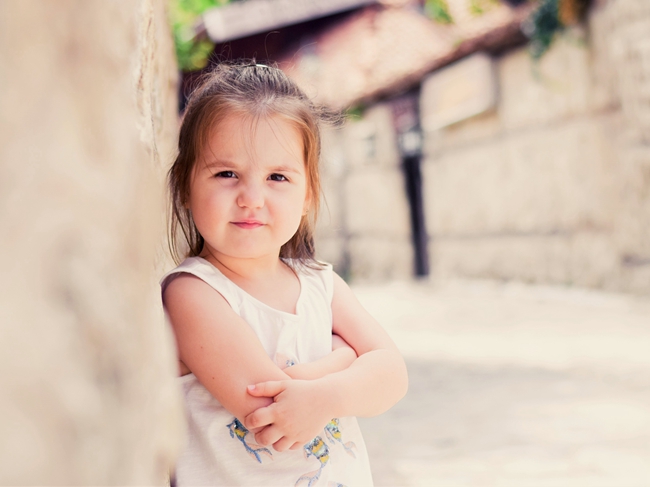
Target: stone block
559,87
371,141
87,365
633,220
375,203
475,130
583,259
605,94
380,259
529,259
554,179
331,218
332,250
457,92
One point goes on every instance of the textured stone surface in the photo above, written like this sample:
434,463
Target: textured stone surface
366,215
376,204
87,111
557,178
553,185
553,258
559,87
380,259
371,140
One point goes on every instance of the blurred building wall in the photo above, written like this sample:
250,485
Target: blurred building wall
552,186
88,117
364,229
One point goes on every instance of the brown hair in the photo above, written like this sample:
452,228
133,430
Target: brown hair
258,91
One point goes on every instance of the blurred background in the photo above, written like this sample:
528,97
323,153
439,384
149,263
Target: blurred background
487,196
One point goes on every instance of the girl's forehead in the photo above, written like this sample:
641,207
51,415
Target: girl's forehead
240,137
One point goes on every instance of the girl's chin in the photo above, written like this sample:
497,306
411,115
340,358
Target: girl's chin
247,254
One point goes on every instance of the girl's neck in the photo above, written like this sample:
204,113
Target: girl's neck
267,279
245,269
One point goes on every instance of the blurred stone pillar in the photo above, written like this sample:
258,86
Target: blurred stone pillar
621,29
87,124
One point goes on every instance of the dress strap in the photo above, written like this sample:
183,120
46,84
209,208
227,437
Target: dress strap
212,276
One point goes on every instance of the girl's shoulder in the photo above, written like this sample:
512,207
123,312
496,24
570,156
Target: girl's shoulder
204,270
192,265
320,275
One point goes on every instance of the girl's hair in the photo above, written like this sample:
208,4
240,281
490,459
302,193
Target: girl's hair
257,91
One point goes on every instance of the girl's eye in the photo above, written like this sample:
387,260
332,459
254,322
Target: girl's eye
277,177
225,174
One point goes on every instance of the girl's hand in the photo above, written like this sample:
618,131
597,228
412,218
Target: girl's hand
298,414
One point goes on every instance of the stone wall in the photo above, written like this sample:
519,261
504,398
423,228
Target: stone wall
552,186
364,227
88,113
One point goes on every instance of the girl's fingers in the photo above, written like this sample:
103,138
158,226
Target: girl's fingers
268,436
260,417
266,389
296,446
282,444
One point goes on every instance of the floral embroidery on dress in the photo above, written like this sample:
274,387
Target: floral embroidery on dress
284,361
318,449
239,431
334,434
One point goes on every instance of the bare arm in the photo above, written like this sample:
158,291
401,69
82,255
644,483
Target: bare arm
341,358
378,378
217,345
224,353
371,385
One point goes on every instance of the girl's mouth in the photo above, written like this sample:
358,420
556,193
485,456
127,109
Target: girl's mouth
248,224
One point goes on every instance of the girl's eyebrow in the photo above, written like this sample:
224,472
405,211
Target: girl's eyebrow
284,168
231,165
219,163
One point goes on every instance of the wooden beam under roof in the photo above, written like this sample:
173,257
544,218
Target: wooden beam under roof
241,19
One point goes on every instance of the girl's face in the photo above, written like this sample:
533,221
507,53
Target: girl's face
248,192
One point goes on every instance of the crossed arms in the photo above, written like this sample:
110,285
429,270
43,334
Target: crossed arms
285,408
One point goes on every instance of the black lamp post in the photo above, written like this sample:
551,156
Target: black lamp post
406,122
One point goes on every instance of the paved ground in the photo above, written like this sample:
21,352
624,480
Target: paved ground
514,386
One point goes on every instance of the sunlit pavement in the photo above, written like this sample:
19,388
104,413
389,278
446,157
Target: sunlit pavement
514,386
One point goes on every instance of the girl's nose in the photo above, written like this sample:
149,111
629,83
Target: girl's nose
251,195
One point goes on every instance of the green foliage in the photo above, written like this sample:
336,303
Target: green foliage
438,10
542,26
479,7
355,112
192,52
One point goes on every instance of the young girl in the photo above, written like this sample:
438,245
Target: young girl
276,355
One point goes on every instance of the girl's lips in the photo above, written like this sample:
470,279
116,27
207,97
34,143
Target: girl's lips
248,224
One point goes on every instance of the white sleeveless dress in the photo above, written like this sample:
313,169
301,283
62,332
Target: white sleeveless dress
219,450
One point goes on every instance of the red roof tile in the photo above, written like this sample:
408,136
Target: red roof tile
382,49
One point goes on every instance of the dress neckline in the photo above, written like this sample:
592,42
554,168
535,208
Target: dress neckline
256,301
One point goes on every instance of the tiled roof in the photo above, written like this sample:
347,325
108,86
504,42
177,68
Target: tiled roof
383,49
241,19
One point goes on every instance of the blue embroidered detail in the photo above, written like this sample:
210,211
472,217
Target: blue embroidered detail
239,431
334,434
318,449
